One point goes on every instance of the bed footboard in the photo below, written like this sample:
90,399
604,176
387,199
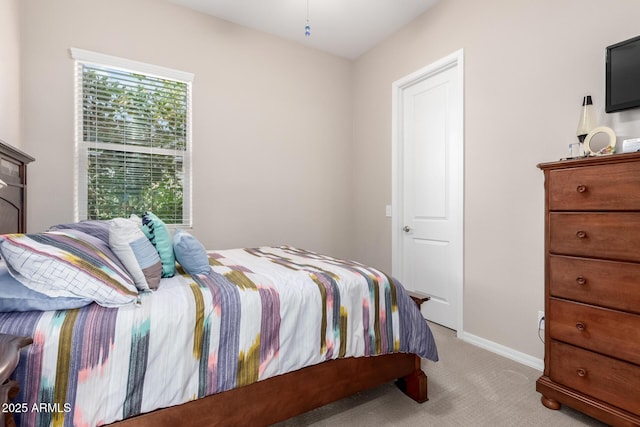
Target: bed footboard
415,385
9,357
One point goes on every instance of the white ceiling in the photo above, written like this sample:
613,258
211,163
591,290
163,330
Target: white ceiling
346,28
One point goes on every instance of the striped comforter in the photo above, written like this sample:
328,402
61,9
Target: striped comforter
257,313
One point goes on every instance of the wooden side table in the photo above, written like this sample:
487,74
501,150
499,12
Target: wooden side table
9,356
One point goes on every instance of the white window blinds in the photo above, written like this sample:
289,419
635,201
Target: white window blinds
133,139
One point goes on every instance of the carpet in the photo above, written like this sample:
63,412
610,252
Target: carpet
469,386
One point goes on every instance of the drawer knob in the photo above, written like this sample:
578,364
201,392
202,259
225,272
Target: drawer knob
581,326
581,372
580,280
581,188
581,234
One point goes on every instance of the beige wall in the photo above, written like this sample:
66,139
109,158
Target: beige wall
271,119
527,67
10,73
293,146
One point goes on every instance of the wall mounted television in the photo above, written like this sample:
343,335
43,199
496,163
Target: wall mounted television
623,75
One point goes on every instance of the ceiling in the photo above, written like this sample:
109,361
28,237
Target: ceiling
345,28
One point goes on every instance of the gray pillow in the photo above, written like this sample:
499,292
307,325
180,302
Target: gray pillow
136,252
96,228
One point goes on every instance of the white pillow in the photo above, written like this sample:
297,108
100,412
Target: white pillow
136,253
70,264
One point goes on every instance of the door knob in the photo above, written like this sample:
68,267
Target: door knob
406,229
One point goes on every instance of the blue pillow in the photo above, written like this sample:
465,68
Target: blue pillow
159,234
190,253
14,296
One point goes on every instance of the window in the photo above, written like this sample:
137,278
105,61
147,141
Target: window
133,139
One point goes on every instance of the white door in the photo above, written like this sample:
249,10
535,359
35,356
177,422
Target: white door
428,188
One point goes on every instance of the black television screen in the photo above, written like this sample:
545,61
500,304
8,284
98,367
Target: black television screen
623,75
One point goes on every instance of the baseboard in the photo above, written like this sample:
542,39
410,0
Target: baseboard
509,353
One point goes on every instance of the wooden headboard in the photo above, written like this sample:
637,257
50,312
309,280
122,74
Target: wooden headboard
13,197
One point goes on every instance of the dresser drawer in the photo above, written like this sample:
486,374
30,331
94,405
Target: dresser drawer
613,236
611,187
602,377
606,283
603,330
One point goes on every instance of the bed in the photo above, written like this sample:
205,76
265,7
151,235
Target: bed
255,336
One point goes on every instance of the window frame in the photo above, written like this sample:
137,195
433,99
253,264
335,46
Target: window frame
94,59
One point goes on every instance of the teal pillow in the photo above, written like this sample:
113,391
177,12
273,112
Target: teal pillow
159,234
190,253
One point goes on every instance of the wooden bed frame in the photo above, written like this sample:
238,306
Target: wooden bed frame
284,396
264,402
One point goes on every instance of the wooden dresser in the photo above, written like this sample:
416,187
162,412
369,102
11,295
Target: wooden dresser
592,287
13,196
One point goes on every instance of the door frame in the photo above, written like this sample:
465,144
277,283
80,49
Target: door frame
455,59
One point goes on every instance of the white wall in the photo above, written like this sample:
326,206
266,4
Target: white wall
527,67
271,119
294,146
10,73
